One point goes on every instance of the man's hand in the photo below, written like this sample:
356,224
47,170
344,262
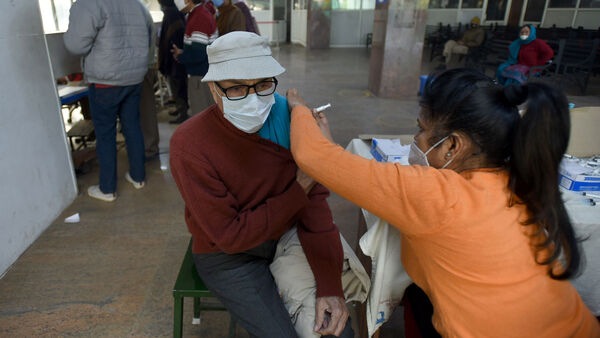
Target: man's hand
331,316
176,51
305,181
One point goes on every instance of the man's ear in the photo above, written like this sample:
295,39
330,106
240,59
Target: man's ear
215,94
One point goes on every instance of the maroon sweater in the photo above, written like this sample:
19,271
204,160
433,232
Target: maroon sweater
535,53
240,190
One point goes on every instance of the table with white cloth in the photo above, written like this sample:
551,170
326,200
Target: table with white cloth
381,242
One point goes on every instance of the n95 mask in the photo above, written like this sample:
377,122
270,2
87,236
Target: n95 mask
417,157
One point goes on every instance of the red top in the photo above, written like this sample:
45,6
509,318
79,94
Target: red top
240,190
535,53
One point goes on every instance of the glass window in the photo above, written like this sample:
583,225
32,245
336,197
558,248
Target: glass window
495,10
300,4
55,15
259,5
534,10
589,4
443,4
472,4
562,3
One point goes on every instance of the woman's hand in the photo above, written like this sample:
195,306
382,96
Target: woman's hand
294,99
323,124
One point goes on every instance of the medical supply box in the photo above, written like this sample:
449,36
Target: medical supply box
389,150
580,174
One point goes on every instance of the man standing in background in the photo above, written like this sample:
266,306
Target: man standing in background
171,33
230,17
114,38
200,31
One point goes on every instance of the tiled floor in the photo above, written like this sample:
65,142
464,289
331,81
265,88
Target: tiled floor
111,274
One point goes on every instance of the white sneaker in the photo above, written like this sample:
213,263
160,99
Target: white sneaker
137,185
95,192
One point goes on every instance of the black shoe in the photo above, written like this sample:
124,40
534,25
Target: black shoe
179,119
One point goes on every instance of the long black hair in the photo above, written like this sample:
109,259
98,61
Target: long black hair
530,146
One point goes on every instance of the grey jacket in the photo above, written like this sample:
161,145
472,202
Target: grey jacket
114,38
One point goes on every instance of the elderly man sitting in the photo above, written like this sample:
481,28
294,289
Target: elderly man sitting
242,191
473,37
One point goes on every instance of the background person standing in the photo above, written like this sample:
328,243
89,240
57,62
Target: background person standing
171,33
114,38
200,31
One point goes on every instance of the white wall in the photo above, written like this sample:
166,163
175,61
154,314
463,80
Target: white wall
36,175
275,31
349,28
299,26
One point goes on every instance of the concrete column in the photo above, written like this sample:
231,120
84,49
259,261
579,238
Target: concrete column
319,24
398,33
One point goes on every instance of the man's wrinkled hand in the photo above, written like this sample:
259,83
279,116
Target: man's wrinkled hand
305,181
331,316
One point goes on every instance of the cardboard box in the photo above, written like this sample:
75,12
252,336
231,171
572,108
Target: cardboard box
389,150
576,176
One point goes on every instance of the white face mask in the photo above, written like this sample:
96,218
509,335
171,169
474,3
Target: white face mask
180,4
250,113
417,156
524,37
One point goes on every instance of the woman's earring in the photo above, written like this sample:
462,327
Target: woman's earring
448,154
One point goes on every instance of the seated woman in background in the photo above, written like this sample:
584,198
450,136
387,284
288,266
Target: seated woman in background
525,52
484,230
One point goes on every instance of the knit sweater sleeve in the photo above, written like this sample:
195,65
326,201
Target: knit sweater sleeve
320,241
214,209
414,199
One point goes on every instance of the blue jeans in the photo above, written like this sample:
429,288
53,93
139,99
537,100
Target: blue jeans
106,105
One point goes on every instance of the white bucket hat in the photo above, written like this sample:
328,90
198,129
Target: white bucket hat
240,55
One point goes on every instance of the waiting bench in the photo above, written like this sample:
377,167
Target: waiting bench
189,284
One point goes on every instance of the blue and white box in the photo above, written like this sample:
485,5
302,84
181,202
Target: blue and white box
580,174
389,150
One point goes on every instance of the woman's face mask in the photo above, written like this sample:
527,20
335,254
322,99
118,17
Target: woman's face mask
417,157
250,113
524,37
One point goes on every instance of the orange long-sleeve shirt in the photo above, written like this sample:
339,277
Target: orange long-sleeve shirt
461,242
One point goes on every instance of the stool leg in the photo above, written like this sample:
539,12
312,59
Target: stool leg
178,317
196,319
231,327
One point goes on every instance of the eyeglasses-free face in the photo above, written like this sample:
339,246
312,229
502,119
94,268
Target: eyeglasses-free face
236,92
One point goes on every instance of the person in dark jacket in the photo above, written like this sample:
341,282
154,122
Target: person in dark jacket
230,17
251,25
200,31
171,33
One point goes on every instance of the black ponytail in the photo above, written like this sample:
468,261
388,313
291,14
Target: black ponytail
530,147
540,140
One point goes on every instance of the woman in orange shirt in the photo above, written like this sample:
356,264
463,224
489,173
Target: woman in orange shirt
482,220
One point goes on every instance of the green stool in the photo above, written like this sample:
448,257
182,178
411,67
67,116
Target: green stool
189,284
